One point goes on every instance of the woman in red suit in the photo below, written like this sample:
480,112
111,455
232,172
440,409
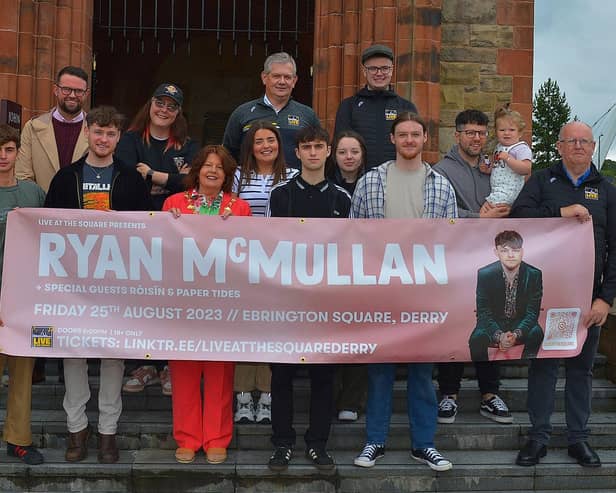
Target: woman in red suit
205,421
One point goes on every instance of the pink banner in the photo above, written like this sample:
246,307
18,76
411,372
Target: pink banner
145,285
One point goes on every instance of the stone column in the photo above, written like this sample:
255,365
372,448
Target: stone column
486,60
37,39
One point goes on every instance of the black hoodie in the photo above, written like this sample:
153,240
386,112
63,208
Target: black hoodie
128,189
370,114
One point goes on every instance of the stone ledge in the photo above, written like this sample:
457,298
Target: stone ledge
155,470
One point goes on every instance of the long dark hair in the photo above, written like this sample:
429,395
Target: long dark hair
331,166
178,133
248,163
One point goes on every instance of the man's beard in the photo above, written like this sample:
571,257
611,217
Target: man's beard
471,153
410,153
69,111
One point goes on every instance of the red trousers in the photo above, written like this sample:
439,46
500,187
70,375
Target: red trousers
202,420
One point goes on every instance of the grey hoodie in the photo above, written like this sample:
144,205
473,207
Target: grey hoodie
471,186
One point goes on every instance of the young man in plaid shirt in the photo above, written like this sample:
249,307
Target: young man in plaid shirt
404,188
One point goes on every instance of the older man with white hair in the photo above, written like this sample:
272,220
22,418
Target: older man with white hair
572,187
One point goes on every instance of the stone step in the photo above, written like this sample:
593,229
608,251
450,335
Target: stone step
153,429
50,394
509,368
246,471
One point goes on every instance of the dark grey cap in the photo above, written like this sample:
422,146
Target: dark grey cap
377,50
171,91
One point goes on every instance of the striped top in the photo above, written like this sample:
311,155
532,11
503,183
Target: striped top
256,191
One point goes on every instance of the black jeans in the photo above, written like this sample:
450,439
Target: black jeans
450,375
321,403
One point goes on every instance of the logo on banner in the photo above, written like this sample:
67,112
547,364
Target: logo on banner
42,336
591,193
391,115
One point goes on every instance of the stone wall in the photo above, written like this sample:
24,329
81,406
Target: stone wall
486,60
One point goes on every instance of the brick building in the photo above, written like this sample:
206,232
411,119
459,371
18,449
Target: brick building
451,54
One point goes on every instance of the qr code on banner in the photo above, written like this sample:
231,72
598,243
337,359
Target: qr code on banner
561,329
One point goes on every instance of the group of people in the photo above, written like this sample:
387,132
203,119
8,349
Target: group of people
276,160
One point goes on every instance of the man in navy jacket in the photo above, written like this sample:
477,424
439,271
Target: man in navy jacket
571,188
374,108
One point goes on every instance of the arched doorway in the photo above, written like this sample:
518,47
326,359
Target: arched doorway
213,49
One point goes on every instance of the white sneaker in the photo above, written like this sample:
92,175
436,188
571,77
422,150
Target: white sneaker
263,410
244,412
347,415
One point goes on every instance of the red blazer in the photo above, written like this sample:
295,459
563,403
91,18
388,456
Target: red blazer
182,200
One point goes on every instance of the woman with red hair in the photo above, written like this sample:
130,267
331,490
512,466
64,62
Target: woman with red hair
205,419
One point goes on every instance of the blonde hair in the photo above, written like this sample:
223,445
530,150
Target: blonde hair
514,116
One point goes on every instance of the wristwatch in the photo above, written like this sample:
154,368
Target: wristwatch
149,174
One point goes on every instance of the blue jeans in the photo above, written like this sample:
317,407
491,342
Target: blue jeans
421,403
542,377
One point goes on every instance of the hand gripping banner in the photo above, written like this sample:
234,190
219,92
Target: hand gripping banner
148,286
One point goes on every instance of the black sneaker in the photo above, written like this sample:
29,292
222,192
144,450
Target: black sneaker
447,410
28,455
320,458
369,455
495,409
432,458
279,461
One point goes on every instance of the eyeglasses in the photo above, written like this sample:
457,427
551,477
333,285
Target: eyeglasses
473,133
385,69
575,142
159,103
66,91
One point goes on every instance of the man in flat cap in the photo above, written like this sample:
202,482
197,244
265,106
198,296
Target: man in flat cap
372,110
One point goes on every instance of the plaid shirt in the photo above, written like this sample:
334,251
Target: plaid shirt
369,196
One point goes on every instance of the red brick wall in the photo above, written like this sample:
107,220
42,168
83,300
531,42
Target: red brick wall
37,39
413,28
345,28
518,60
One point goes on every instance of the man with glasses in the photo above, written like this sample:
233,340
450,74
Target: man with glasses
461,166
55,139
509,293
372,110
573,188
276,106
52,141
